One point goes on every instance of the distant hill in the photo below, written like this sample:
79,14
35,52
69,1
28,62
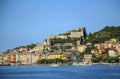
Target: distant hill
73,38
105,34
64,41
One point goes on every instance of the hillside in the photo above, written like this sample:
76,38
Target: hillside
64,41
105,34
71,36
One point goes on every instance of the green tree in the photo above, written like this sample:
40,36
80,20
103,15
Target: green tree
105,59
49,61
113,59
96,59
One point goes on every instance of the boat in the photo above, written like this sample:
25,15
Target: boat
54,65
82,64
75,64
5,65
85,64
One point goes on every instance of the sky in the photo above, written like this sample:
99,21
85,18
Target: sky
24,22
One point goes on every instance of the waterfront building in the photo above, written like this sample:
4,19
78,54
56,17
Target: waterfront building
118,47
25,59
1,58
22,58
119,50
8,59
54,56
30,58
112,53
87,58
34,58
18,57
13,58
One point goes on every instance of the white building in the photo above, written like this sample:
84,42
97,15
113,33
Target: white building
87,58
112,53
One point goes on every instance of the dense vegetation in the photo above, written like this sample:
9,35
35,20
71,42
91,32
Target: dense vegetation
103,35
30,46
107,59
62,41
50,61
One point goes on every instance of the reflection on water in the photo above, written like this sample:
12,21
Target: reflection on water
60,72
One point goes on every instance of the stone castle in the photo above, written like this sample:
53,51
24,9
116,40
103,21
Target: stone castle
75,33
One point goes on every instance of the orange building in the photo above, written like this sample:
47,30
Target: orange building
13,58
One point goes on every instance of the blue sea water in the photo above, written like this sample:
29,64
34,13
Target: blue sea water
60,72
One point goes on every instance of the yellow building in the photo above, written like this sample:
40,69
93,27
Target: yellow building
35,57
5,58
53,56
81,48
22,58
1,58
26,60
113,40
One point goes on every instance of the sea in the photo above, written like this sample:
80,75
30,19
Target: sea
60,72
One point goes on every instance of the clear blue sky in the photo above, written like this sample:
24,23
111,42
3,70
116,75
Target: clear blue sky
29,21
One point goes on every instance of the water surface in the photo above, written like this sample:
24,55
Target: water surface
60,72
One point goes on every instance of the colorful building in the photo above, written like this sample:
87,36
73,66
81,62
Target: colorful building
81,48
